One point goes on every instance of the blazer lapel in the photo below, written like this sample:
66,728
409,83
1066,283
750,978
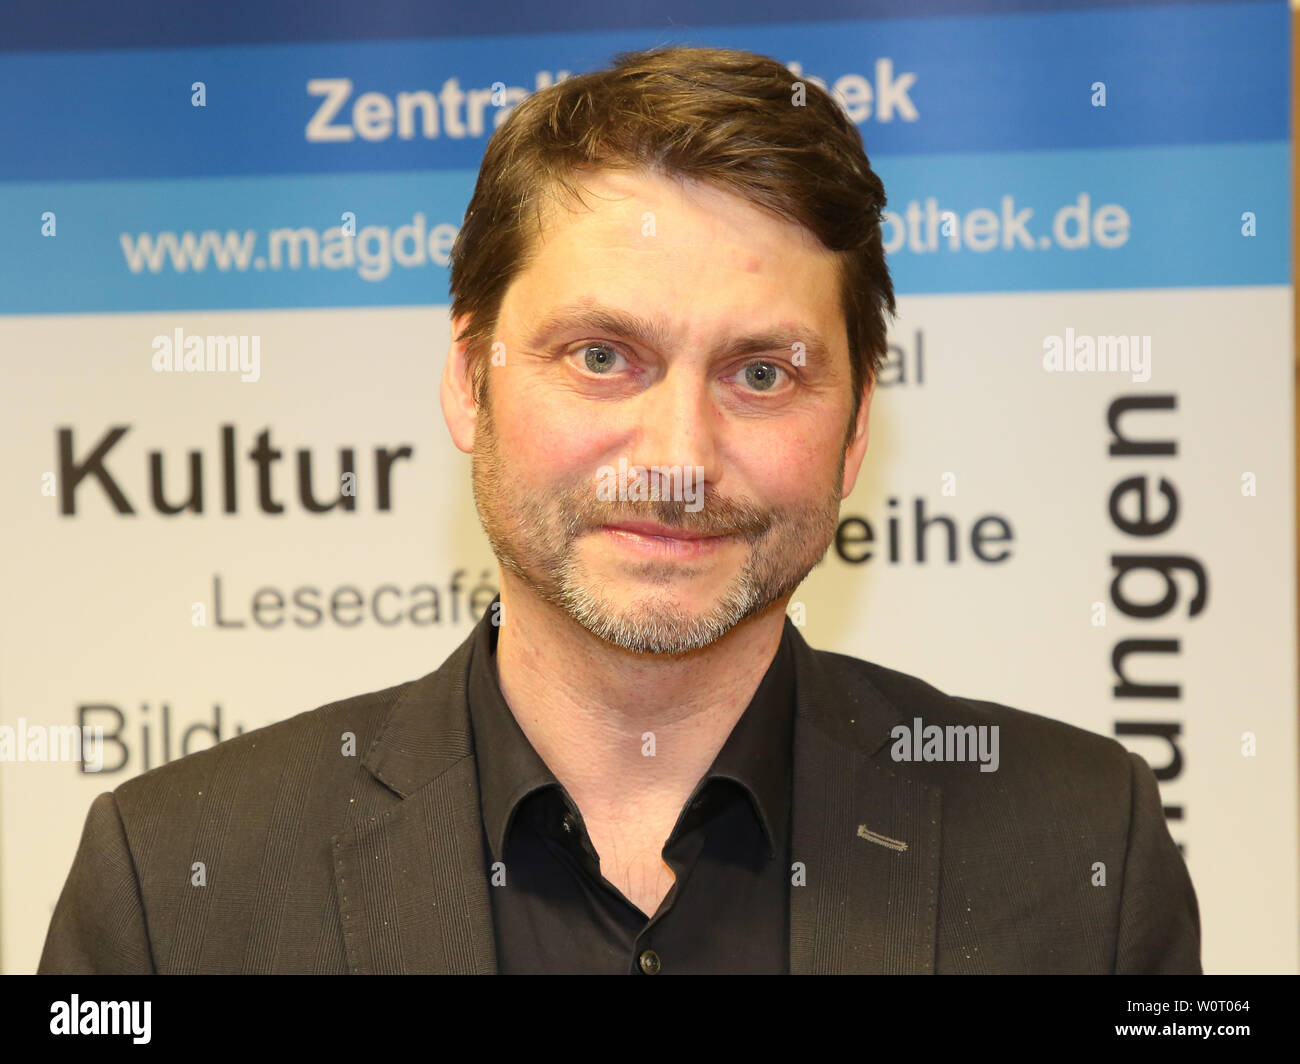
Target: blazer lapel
867,837
411,883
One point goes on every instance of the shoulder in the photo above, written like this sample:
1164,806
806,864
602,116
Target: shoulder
1034,748
326,744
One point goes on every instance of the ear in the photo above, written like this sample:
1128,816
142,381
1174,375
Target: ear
857,448
458,405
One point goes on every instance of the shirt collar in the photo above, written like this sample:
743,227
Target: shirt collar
756,755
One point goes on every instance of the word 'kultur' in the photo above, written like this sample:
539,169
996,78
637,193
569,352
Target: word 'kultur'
93,468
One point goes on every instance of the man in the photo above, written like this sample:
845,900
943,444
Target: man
669,298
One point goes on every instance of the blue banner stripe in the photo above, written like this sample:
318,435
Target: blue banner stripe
958,223
93,24
915,86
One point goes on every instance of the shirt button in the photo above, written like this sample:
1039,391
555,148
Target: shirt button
649,961
568,823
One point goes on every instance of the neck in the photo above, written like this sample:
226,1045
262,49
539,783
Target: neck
587,706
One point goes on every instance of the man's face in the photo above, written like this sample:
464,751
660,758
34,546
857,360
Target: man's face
576,387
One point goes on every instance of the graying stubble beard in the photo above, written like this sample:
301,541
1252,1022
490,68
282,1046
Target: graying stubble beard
511,516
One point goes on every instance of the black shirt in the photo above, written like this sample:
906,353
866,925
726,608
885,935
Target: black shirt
728,910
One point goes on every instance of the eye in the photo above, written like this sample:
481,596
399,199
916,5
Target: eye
599,358
762,376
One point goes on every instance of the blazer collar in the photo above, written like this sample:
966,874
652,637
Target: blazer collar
412,882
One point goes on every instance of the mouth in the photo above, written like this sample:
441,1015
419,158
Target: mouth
652,528
647,537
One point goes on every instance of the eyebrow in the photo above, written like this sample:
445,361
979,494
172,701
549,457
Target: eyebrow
656,333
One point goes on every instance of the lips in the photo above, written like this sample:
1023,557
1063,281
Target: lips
650,528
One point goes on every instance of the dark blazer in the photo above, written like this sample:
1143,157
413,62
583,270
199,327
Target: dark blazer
316,861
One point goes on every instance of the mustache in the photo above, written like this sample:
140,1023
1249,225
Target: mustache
718,517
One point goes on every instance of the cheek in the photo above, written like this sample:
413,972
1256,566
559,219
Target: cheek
797,462
545,444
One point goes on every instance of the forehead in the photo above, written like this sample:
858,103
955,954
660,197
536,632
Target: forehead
651,205
679,250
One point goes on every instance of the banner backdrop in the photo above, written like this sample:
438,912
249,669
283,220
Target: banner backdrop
1078,498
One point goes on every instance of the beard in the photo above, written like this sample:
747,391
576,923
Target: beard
534,536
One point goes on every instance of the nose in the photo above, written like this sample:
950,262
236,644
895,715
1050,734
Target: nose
677,426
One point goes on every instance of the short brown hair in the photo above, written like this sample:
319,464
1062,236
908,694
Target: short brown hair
723,117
